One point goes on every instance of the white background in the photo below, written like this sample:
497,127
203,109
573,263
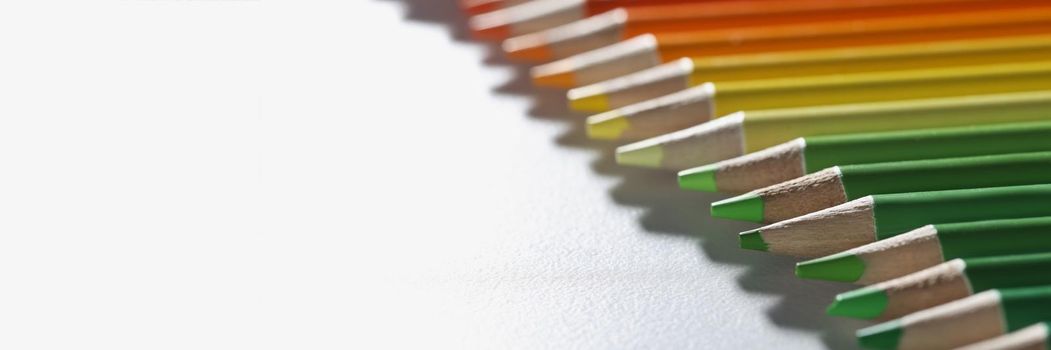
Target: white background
312,174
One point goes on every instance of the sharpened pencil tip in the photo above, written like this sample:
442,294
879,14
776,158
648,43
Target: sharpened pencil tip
746,207
882,336
649,156
588,102
865,303
841,267
699,179
607,127
752,240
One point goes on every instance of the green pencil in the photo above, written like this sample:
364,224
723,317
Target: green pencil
745,132
840,184
806,155
928,246
978,317
881,216
1034,337
942,283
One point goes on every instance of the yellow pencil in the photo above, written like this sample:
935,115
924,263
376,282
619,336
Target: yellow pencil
648,119
746,132
688,72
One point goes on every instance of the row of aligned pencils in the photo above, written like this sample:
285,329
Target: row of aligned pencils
902,145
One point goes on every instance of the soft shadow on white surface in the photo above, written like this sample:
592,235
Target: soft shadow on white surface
666,210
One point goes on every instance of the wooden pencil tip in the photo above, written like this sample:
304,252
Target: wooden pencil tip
753,240
841,267
701,178
607,126
865,303
640,154
885,335
746,207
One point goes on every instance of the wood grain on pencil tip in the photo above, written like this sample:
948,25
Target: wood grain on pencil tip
1035,337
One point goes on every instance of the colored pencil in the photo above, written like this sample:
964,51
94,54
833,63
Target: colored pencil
646,51
806,155
707,101
536,15
610,27
881,216
942,283
978,317
930,245
840,184
746,132
1034,337
688,72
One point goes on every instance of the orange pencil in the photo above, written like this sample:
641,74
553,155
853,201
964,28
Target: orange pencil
536,15
474,7
610,27
649,50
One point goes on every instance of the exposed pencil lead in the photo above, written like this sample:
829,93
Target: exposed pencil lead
865,303
752,240
699,179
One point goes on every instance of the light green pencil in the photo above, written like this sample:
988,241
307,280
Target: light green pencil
746,132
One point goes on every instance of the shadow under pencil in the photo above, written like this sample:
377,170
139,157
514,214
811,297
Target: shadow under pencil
668,209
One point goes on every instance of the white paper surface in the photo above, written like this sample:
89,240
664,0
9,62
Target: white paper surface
339,174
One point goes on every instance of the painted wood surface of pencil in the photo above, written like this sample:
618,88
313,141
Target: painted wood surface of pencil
807,155
649,50
942,283
618,24
688,72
